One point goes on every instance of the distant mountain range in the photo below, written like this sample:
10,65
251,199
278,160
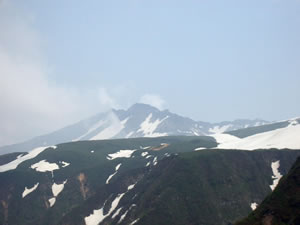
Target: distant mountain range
154,167
140,120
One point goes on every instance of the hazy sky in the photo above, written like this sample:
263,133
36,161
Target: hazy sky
61,61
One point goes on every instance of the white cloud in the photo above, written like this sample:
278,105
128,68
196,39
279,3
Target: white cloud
106,99
30,103
154,100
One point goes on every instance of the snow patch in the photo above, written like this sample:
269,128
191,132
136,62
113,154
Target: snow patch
121,154
134,222
155,161
144,154
253,205
148,164
98,215
276,174
92,151
57,188
44,166
144,148
27,191
148,127
32,154
65,164
52,201
116,170
198,149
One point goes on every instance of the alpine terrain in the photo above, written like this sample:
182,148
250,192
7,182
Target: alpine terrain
216,178
140,120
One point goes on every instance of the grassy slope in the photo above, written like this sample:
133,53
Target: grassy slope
282,207
207,187
33,208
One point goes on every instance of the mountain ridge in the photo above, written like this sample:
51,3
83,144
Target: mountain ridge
140,120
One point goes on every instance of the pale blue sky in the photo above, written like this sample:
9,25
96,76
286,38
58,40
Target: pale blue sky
209,60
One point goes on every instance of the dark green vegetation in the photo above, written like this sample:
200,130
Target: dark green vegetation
242,133
282,207
184,187
9,157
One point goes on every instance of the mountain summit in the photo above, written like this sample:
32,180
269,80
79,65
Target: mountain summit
140,120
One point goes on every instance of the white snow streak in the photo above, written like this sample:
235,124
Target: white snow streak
93,128
117,212
29,190
134,222
98,215
123,216
44,166
121,154
276,174
198,149
148,127
32,154
144,154
155,161
116,170
112,130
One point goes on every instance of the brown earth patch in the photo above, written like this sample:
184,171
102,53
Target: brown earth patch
162,146
5,207
83,185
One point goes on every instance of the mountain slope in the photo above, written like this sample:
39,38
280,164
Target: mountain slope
113,181
277,135
210,187
283,205
140,120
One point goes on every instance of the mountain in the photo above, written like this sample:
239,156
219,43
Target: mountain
140,120
159,180
283,205
279,135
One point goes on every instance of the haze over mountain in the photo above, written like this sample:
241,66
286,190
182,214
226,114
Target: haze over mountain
140,120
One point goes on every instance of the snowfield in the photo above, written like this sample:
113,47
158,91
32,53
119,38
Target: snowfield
44,166
32,154
121,154
287,137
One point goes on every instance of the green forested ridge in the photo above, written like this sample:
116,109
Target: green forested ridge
282,207
187,187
